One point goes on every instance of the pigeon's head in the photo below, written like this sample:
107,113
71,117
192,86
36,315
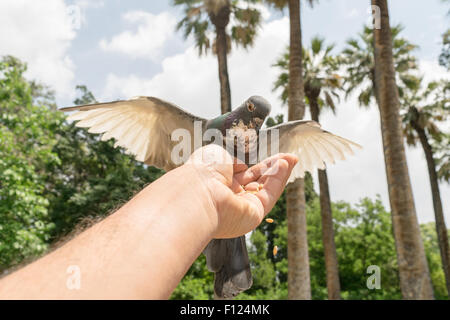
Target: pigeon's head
254,111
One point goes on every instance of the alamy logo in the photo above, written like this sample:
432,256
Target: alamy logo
74,13
74,280
375,17
374,281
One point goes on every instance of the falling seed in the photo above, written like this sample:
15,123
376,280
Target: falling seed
275,250
268,220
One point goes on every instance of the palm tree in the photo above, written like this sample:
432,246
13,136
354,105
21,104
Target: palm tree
444,57
320,85
415,280
419,124
442,157
299,286
201,16
359,62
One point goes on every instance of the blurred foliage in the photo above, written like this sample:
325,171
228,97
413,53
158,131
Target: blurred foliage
26,149
52,174
321,79
92,178
363,235
444,57
358,61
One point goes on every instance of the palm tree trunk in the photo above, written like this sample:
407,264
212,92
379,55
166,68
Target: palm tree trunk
441,228
329,247
415,280
298,258
219,14
222,48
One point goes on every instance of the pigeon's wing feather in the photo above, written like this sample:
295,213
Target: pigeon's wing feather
143,126
313,146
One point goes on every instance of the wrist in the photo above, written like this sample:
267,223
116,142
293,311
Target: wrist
198,194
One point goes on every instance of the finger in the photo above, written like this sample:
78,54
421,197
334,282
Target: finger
236,187
274,184
258,185
258,170
239,167
253,173
252,186
291,160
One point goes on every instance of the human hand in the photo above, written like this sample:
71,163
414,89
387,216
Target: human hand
167,225
242,196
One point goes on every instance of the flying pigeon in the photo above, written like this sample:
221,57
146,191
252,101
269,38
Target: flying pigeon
144,125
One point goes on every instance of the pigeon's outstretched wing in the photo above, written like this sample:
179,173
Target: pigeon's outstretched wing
313,146
142,125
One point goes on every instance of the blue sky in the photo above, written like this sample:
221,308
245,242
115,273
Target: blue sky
121,49
424,22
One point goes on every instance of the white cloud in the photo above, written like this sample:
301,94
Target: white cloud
90,3
153,32
192,83
185,79
80,7
431,70
353,13
40,33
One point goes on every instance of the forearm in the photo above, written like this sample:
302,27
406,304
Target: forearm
141,251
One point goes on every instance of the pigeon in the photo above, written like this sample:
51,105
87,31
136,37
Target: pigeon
143,126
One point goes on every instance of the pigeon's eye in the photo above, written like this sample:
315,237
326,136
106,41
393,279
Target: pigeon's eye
250,106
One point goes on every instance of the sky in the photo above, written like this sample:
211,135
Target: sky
120,49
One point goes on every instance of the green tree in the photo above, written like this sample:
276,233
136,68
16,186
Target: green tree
394,66
434,260
444,57
420,125
321,83
52,174
359,63
201,16
364,238
26,141
92,177
442,157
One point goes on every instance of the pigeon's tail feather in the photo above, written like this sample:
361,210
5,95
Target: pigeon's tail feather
228,258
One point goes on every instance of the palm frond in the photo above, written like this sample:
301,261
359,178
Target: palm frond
248,21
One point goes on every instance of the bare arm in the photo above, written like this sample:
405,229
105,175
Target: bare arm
144,249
